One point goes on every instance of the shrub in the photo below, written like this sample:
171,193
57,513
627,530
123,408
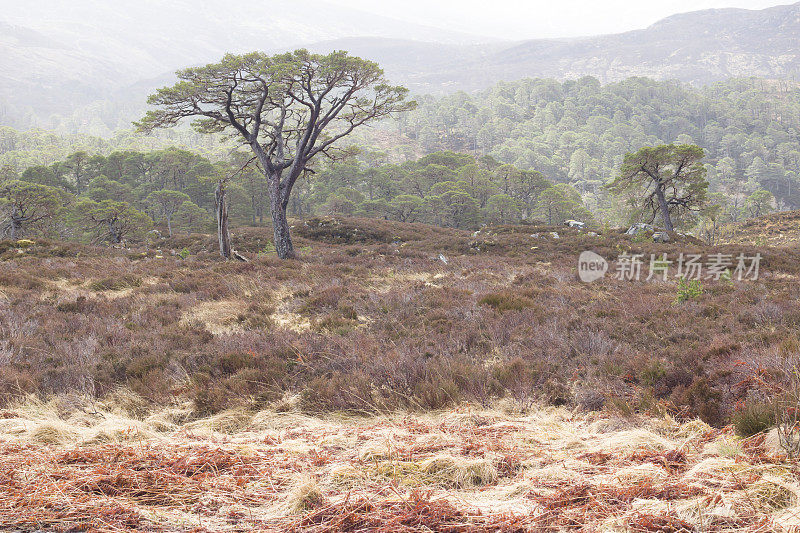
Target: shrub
235,378
327,298
529,380
115,283
208,399
336,323
688,290
79,305
436,392
338,392
506,301
752,418
702,400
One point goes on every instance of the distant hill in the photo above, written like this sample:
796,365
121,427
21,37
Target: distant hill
698,47
60,57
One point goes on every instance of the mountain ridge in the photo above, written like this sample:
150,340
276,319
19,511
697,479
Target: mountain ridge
72,62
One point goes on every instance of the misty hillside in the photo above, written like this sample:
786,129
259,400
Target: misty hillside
698,47
89,54
80,52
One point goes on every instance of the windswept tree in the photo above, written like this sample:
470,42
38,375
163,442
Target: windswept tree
167,203
51,176
560,202
669,178
338,204
8,173
286,108
103,188
453,205
111,221
759,203
77,169
714,215
503,209
406,207
191,217
25,205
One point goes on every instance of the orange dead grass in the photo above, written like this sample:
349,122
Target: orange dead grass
285,472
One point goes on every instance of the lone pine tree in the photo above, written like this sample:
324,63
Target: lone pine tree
287,108
670,180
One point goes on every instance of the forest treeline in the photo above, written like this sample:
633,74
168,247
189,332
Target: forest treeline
532,149
95,197
577,132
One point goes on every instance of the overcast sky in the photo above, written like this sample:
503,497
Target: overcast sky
521,19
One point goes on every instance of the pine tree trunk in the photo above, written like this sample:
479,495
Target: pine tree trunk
278,201
222,222
283,241
662,203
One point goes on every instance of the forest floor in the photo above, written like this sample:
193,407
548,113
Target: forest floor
71,465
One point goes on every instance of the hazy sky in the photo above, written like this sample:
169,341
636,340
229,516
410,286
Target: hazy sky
520,19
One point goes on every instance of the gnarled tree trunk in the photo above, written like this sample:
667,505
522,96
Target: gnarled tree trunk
16,228
17,220
662,204
280,225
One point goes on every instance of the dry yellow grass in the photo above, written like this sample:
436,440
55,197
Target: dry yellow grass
218,318
266,469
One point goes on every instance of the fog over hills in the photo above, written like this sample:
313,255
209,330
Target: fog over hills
702,46
57,57
698,47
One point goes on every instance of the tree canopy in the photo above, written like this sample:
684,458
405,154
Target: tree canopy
24,204
668,179
286,108
522,138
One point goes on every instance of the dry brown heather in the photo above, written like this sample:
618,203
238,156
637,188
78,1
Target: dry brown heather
777,229
216,383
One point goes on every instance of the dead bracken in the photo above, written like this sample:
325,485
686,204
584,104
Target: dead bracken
469,470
